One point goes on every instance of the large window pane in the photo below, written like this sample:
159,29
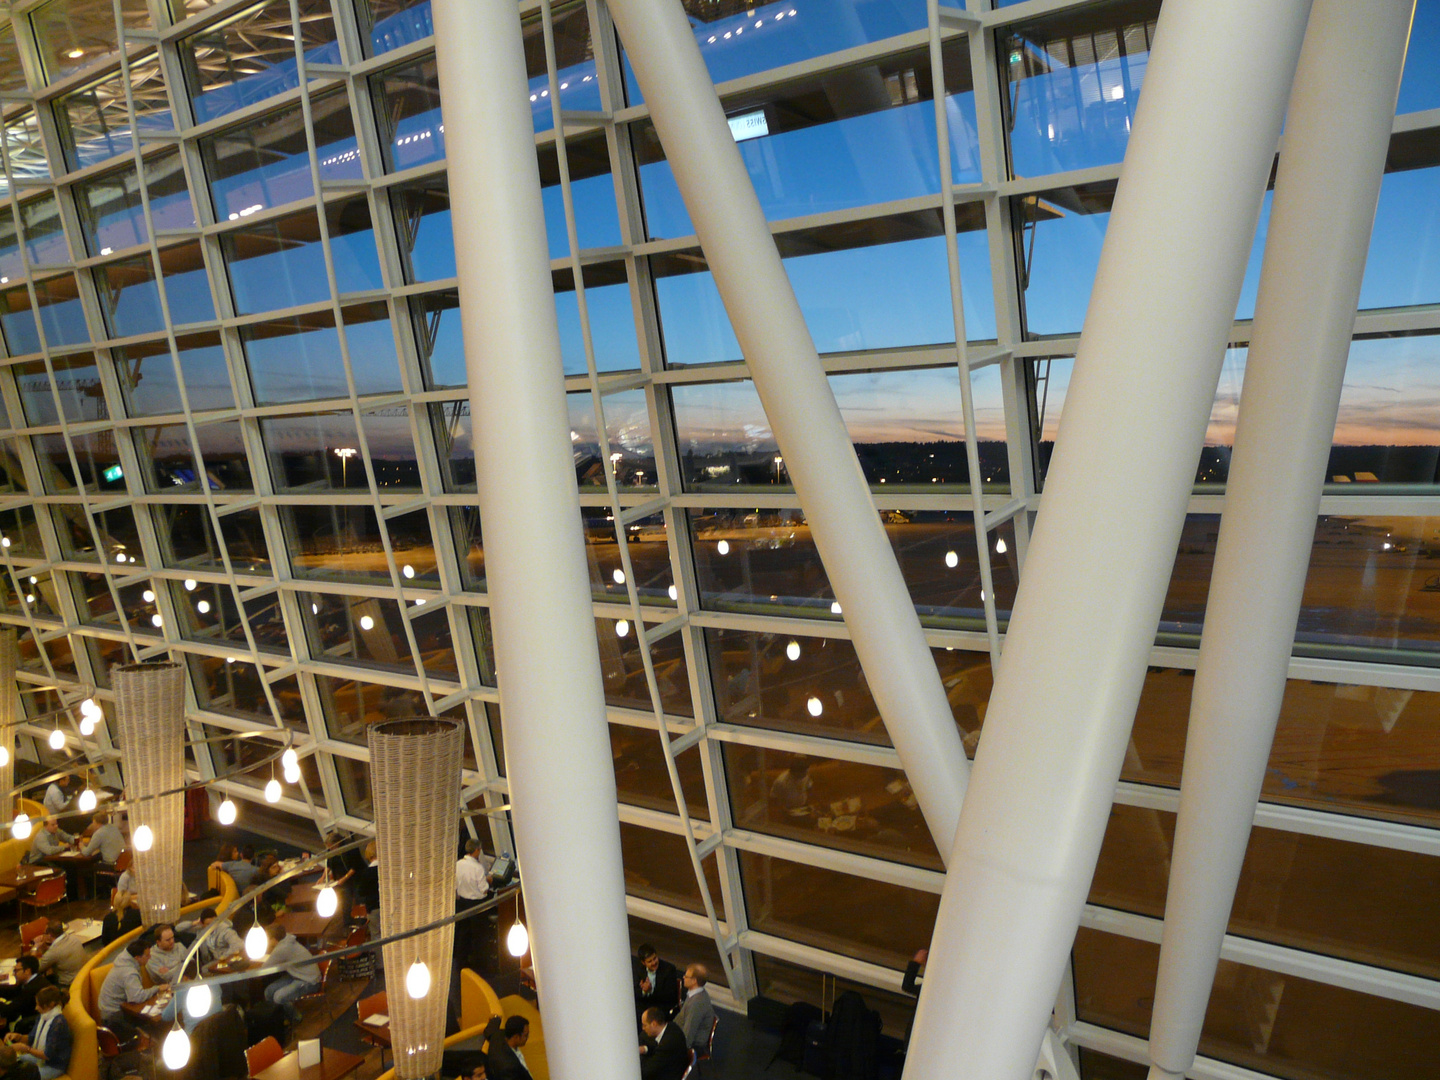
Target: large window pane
1277,1024
642,778
251,56
657,867
850,138
95,121
266,162
908,428
771,35
131,297
1365,750
865,809
147,376
624,670
766,561
1287,892
870,920
814,686
1074,83
299,359
883,286
74,34
282,264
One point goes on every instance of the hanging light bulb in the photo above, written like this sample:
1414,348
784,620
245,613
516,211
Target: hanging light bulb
417,980
20,827
176,1049
367,623
517,941
57,740
198,1001
292,776
290,759
226,814
272,790
793,650
815,706
327,902
4,756
87,726
256,942
143,839
88,799
90,707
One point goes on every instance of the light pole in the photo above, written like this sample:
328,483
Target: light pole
345,453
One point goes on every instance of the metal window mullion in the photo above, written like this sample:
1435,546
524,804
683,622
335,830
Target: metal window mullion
621,532
337,312
957,304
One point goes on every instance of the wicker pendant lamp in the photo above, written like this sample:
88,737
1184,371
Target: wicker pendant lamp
9,713
150,714
415,784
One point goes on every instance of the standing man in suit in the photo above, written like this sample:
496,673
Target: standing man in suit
48,1044
658,983
696,1017
663,1054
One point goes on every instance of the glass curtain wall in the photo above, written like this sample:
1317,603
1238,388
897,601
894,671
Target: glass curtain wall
233,429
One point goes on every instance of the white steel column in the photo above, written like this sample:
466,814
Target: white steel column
1337,133
1100,558
799,404
557,742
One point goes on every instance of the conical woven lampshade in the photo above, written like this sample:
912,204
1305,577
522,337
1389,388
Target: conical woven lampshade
9,709
415,784
150,718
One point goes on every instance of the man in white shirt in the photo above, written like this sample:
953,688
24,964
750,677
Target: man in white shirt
472,885
223,940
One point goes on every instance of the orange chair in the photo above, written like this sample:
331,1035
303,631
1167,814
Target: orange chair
690,1068
32,930
263,1054
321,993
48,893
367,1007
112,873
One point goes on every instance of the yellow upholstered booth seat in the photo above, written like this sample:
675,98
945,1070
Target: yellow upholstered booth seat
479,1002
85,990
31,807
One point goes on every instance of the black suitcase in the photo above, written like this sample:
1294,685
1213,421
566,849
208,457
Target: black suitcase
814,1059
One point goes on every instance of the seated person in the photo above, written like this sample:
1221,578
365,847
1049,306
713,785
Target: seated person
239,863
129,881
61,954
166,955
222,942
464,1065
48,1043
124,983
18,1006
299,978
663,1054
503,1054
50,840
106,842
15,1067
123,917
697,1015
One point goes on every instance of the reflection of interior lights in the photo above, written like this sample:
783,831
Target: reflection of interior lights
203,607
408,570
619,576
622,628
148,596
814,706
367,623
793,650
1000,546
190,584
835,608
75,53
952,560
674,593
723,547
156,621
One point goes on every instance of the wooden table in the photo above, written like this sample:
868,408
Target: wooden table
377,1034
334,1064
26,877
307,926
139,1014
75,865
302,897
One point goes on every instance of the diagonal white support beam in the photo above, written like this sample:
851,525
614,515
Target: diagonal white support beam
1337,134
799,404
1094,583
557,744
